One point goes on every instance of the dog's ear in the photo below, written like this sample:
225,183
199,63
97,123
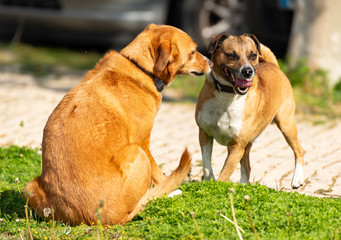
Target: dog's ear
164,56
151,26
253,37
216,41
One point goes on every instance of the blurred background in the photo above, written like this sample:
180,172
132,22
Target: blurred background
44,37
114,23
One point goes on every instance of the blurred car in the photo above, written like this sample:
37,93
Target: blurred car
114,23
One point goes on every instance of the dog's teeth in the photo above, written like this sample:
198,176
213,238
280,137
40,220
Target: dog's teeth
242,89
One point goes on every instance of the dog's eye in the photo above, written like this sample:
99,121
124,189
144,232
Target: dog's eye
191,55
253,56
232,56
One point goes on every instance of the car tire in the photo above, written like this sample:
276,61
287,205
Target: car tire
202,19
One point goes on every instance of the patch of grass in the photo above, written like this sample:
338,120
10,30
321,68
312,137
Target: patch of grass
192,215
337,92
188,87
312,89
41,61
17,167
276,215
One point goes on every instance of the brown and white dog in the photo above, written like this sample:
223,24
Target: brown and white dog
96,142
244,93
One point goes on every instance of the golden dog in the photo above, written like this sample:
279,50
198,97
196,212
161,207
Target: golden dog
243,94
96,142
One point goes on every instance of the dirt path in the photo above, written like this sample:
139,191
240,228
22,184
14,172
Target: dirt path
272,161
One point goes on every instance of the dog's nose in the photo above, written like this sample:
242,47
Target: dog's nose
247,72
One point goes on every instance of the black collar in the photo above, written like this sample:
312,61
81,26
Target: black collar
159,84
222,88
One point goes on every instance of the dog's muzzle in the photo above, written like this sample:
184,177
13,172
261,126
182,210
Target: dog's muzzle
240,82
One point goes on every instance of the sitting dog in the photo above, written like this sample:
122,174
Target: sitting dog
96,142
244,93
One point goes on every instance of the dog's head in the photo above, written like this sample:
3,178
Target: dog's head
176,53
167,52
235,59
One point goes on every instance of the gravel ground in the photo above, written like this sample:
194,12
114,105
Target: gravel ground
23,99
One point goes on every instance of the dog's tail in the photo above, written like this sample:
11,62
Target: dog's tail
267,55
167,186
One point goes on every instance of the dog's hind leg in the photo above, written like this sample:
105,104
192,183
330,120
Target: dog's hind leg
132,181
36,196
167,186
245,167
206,144
157,174
288,128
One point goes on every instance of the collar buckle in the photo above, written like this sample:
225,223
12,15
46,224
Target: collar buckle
159,84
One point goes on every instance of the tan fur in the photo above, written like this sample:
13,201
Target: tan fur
270,98
267,56
96,142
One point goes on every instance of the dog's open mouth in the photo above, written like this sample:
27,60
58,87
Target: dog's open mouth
241,86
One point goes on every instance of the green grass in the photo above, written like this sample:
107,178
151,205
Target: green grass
17,167
312,89
188,88
275,214
41,61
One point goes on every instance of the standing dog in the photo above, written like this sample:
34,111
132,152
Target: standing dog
96,142
244,93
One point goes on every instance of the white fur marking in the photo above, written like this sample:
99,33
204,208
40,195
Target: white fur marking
175,192
243,176
298,178
207,162
221,117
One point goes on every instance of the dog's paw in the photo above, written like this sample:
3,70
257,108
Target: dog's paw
295,184
298,178
208,178
174,193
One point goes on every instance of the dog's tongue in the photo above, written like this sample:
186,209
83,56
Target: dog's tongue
242,83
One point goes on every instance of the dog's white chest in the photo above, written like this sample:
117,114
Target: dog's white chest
221,117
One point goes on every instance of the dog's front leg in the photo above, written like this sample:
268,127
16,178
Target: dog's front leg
206,144
235,153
